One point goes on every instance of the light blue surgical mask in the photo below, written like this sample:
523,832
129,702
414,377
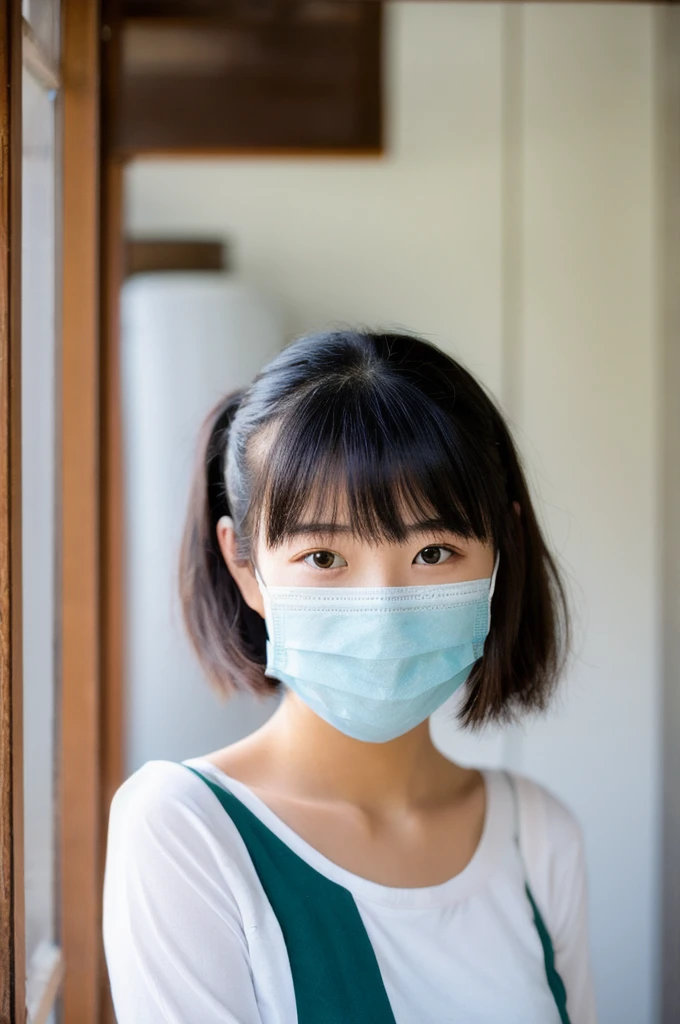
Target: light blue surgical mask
374,662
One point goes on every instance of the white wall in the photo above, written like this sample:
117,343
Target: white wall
511,221
589,406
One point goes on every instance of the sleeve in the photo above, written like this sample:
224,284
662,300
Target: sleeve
568,905
174,941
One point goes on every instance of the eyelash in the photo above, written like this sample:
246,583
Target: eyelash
318,551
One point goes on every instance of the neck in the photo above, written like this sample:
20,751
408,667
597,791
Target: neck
318,760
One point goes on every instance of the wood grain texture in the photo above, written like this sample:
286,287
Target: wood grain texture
112,257
80,789
12,907
113,539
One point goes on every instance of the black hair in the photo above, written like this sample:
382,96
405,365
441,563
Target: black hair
397,430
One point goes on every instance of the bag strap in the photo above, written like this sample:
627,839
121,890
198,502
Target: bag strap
554,980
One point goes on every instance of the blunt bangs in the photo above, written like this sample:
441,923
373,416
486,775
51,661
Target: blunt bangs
382,456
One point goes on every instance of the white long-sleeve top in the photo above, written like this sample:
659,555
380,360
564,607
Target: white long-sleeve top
190,936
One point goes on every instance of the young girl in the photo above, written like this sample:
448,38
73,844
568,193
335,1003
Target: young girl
360,539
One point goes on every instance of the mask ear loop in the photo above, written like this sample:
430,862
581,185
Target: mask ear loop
267,606
265,598
493,578
263,589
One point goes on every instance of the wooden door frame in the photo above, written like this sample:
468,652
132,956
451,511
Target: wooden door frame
12,909
81,595
111,272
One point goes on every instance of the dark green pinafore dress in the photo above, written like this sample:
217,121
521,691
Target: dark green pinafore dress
321,924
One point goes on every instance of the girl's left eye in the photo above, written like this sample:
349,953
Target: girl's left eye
433,555
324,560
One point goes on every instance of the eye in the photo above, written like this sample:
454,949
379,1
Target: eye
324,560
433,555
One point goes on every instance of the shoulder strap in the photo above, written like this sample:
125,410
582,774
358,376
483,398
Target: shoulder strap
336,976
554,980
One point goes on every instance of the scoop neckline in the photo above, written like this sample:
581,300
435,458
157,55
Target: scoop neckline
496,831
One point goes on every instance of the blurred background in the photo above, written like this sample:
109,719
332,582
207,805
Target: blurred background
497,177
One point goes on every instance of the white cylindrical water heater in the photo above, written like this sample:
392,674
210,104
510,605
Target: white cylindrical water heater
187,337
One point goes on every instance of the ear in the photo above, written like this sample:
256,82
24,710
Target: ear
241,570
517,508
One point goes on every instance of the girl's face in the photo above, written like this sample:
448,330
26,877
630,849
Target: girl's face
319,556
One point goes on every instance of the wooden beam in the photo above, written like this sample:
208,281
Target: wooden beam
149,255
12,908
80,791
285,78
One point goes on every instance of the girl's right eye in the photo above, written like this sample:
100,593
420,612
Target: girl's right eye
324,560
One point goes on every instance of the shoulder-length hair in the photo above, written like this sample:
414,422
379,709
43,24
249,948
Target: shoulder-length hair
396,428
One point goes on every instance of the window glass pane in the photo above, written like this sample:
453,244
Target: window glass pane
39,524
43,17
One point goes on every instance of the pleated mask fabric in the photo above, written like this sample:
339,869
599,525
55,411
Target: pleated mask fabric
374,662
